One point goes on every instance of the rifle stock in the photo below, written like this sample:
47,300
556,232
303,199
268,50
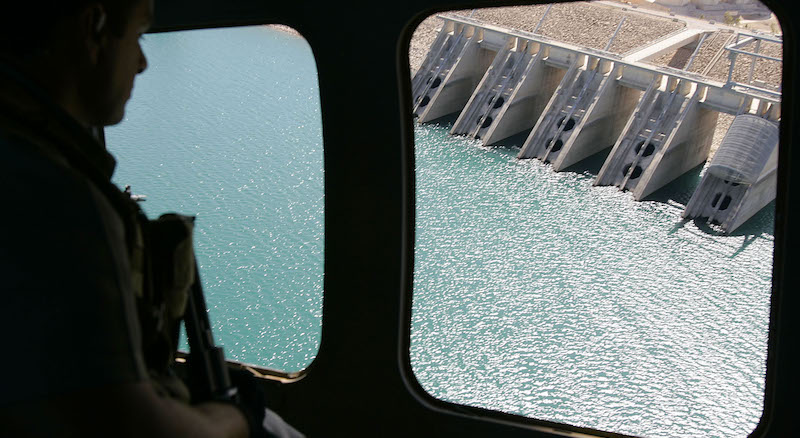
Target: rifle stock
208,373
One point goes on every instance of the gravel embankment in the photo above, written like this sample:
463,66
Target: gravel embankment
767,71
705,55
591,25
424,36
583,24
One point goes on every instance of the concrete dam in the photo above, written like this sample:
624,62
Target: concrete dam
576,102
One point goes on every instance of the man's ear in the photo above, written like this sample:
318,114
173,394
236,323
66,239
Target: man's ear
95,30
101,23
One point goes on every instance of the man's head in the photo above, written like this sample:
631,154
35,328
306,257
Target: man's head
84,53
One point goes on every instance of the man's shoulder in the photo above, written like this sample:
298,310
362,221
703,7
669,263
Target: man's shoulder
31,174
50,201
65,278
20,148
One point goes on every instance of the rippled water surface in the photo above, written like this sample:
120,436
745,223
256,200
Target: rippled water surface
225,125
538,294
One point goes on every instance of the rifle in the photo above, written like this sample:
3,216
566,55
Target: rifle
208,373
210,378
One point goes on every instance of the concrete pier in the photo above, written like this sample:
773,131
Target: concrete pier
668,134
741,179
450,72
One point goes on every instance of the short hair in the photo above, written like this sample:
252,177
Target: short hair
26,26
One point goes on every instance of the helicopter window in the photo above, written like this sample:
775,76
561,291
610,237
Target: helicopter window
594,212
225,125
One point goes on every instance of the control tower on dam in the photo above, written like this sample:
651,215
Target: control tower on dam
655,122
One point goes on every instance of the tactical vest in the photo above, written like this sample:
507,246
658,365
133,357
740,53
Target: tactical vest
160,251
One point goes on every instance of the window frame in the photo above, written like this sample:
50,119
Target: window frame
361,381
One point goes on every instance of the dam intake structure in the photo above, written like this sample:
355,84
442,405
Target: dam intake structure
658,122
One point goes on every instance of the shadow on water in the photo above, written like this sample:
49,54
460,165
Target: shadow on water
678,193
588,167
591,165
680,190
759,226
515,142
445,122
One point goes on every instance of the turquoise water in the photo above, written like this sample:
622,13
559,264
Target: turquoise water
534,292
225,125
538,294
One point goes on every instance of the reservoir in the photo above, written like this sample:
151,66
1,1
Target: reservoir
535,293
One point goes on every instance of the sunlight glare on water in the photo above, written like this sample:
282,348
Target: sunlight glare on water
536,293
225,125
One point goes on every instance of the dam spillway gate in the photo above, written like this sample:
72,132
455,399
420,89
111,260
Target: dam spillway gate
576,102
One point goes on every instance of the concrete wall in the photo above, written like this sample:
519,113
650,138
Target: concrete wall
757,197
687,148
602,124
465,68
527,102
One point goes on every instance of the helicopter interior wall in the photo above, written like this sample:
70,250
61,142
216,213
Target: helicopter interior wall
361,382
